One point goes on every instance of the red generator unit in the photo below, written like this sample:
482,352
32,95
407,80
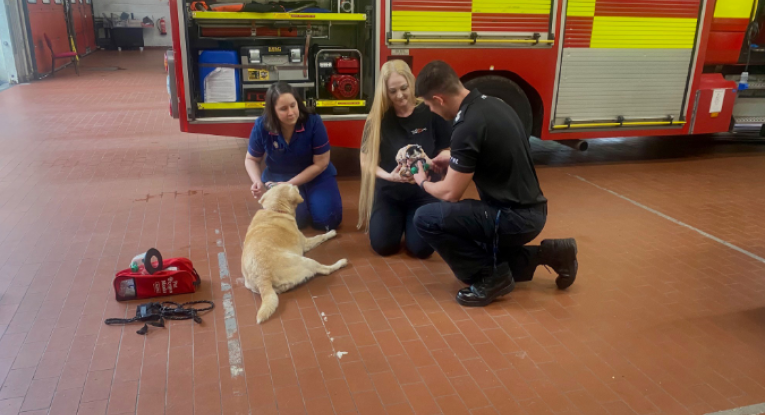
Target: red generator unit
338,74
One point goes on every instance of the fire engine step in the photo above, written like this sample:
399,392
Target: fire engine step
749,125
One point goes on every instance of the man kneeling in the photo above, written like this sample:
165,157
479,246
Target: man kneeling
484,242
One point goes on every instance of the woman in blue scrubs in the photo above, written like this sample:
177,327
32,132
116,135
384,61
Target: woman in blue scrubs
295,145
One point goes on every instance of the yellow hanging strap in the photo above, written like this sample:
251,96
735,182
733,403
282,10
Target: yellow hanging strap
74,48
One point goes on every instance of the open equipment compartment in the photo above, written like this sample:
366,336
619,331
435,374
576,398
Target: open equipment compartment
323,48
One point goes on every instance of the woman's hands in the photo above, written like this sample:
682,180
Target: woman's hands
258,189
396,177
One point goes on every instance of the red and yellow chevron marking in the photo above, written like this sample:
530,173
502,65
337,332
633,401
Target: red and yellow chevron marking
470,15
637,24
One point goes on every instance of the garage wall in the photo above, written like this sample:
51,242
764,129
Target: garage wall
47,18
7,65
155,9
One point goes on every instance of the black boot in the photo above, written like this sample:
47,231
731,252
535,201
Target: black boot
560,255
494,284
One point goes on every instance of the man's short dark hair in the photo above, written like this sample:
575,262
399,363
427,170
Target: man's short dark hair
437,77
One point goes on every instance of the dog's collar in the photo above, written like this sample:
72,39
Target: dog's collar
278,211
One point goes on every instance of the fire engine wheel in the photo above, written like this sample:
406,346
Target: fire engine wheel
508,91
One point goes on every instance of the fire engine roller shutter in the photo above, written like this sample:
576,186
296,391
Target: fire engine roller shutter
493,17
625,58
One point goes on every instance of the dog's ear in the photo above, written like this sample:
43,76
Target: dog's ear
264,199
295,195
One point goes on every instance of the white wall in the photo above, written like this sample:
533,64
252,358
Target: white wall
155,9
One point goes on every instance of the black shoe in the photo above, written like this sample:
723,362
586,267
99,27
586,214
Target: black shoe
488,289
560,255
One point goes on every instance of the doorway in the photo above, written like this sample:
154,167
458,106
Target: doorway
7,63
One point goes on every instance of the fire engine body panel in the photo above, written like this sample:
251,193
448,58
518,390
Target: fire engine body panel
575,69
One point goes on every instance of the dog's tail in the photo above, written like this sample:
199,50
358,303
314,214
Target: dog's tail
269,304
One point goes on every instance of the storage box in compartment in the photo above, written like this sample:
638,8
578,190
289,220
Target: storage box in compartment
219,84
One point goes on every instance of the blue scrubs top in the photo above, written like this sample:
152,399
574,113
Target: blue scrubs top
285,161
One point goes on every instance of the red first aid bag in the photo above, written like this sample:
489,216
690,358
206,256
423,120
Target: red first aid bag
170,277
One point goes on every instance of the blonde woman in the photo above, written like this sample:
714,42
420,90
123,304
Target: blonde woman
387,202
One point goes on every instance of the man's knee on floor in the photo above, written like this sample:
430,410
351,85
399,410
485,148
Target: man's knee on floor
425,218
420,252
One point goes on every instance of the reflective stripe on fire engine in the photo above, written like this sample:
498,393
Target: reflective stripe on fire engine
512,6
581,8
229,105
254,105
472,41
733,9
456,16
617,124
643,32
423,21
199,15
330,103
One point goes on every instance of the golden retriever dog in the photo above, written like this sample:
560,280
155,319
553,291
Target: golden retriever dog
272,257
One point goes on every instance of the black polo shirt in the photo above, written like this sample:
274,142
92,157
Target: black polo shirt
422,127
489,140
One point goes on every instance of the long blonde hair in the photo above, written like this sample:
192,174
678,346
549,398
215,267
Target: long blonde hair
370,142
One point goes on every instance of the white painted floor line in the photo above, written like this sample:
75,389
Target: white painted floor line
757,409
235,359
673,220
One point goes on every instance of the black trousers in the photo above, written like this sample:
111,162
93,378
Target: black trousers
392,218
464,234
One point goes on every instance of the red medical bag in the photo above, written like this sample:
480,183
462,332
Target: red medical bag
169,277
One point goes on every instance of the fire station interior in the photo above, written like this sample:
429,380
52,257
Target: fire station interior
116,225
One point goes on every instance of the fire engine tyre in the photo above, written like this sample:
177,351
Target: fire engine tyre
508,91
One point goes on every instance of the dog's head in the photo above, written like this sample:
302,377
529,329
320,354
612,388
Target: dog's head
282,197
408,156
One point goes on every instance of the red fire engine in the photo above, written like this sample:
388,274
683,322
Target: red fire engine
572,69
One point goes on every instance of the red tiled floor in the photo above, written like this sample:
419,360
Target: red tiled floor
93,170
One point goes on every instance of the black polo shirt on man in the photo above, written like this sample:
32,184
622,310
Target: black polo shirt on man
490,141
422,127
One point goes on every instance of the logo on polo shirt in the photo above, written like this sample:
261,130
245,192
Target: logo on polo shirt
419,130
455,160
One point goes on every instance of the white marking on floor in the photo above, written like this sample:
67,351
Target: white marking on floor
673,220
335,353
234,348
757,409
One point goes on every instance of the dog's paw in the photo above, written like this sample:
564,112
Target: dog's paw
342,263
331,234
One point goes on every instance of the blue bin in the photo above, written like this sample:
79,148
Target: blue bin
219,56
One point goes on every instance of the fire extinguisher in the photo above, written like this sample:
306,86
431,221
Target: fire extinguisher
161,26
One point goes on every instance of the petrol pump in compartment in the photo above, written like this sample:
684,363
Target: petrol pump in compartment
337,73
